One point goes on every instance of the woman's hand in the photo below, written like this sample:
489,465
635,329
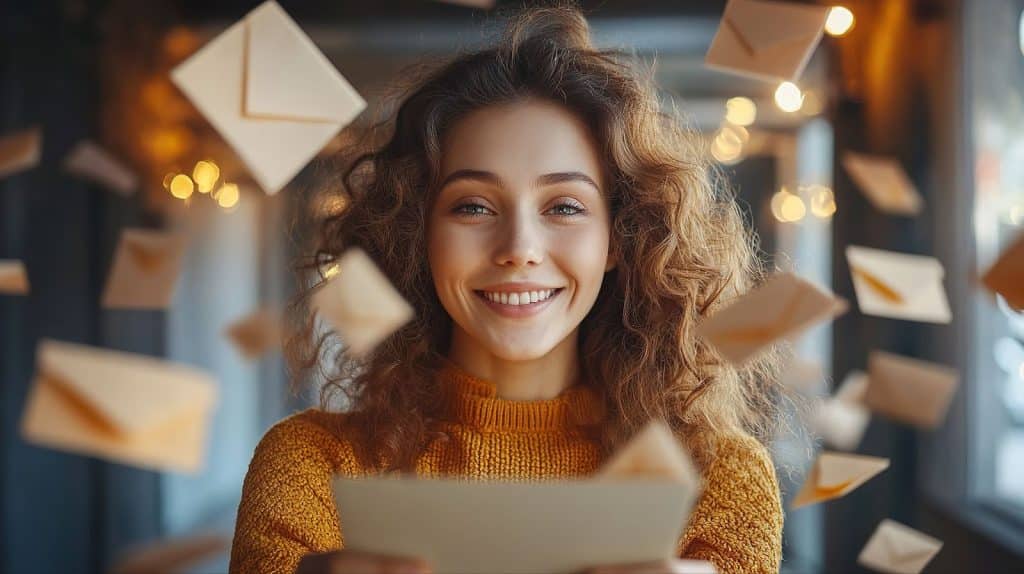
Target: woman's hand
353,562
670,566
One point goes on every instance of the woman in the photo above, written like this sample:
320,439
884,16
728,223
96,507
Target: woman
559,242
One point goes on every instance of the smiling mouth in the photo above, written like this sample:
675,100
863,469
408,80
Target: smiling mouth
508,300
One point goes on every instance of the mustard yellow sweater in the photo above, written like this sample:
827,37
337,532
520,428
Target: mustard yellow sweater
287,508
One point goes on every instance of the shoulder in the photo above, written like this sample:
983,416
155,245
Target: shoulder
310,439
739,456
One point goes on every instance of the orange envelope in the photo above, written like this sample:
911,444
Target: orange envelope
93,163
766,40
257,333
145,271
123,407
171,555
884,182
20,151
360,303
898,285
835,474
13,278
898,549
908,390
1006,276
653,453
842,419
783,307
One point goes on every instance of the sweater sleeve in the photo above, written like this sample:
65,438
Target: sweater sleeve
737,522
287,508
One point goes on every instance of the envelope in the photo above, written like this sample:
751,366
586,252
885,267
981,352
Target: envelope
884,182
1006,276
653,452
898,549
171,555
898,285
802,375
145,271
360,303
842,418
119,406
257,333
836,474
908,390
766,40
783,307
270,93
20,151
91,162
13,278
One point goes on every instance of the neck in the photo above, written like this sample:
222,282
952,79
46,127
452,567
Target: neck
536,379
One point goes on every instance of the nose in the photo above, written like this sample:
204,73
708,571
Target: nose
521,242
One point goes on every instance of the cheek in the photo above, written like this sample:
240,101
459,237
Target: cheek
451,253
584,254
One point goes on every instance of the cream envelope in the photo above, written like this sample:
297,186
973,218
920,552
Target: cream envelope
119,406
783,307
653,453
1006,276
802,375
898,285
257,333
13,278
766,40
93,163
20,151
145,271
898,549
270,93
884,182
842,419
360,303
171,555
834,475
909,390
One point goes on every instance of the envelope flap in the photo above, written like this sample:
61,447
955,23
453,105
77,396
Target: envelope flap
133,393
360,292
853,387
885,181
765,24
837,470
904,544
286,75
896,277
653,453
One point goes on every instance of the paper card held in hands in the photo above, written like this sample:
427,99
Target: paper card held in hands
20,151
898,549
13,278
834,475
91,162
1006,276
123,407
145,272
898,285
270,93
257,334
884,182
842,419
653,453
766,40
360,303
909,390
781,308
172,555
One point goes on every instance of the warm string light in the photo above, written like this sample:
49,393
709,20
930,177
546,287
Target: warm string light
205,175
731,137
840,20
789,207
788,97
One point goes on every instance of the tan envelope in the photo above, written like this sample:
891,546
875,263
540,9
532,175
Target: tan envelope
834,475
884,182
123,407
361,304
257,333
1006,276
171,555
145,272
842,419
783,307
898,285
91,162
13,277
766,40
653,453
898,549
909,390
20,151
270,93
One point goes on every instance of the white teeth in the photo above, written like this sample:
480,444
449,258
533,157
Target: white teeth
513,299
524,298
534,297
504,298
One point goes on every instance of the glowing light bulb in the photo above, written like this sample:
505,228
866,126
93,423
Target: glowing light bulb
181,186
205,174
740,111
840,21
788,97
793,208
227,196
823,203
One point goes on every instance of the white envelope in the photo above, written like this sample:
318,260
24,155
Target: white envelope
20,150
653,453
909,390
13,278
270,93
884,182
93,163
898,285
145,271
841,420
895,548
834,475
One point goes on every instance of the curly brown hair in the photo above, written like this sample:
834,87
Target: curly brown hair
681,244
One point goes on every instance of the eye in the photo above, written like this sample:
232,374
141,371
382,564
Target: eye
568,209
470,208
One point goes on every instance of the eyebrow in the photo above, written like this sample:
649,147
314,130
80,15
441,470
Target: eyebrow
492,179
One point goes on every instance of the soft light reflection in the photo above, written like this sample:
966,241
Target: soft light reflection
823,203
181,186
740,111
787,207
788,97
840,21
725,150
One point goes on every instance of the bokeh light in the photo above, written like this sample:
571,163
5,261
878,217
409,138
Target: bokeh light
823,202
227,196
206,173
840,21
740,111
788,97
182,186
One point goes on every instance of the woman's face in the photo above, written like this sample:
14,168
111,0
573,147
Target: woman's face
521,210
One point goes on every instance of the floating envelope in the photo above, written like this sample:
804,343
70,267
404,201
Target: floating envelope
802,375
898,549
361,304
884,182
13,278
1006,276
145,271
20,151
898,285
270,93
93,163
119,406
909,390
171,555
766,40
834,475
257,333
653,453
782,307
842,419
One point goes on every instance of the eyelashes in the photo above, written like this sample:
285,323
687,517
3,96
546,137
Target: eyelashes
564,209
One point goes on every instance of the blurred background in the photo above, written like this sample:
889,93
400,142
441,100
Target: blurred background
937,84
